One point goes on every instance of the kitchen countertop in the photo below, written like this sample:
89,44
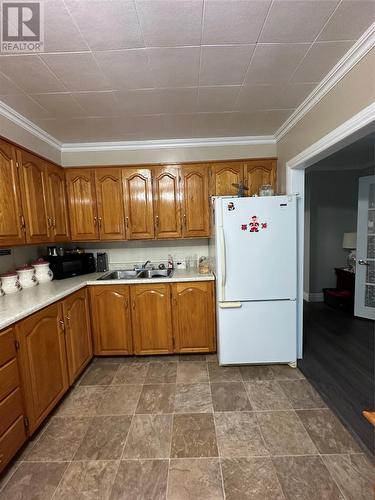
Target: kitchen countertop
18,306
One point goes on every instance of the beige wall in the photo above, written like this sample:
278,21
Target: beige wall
165,155
352,94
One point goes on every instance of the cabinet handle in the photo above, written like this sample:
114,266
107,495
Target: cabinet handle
99,221
49,222
127,222
54,222
184,216
95,221
157,221
126,303
68,318
62,324
133,304
22,222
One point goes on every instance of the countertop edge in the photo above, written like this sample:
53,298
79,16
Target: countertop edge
30,308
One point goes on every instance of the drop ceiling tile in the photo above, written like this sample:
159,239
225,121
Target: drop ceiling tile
275,62
61,34
220,98
30,73
320,60
296,21
212,125
174,66
97,103
258,122
59,105
167,23
25,106
237,21
178,126
224,64
78,71
126,69
7,86
107,24
157,101
263,97
349,21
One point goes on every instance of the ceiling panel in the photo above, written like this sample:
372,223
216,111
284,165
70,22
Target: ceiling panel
224,64
167,23
233,22
107,24
162,69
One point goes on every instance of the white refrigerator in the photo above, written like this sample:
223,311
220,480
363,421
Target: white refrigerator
254,249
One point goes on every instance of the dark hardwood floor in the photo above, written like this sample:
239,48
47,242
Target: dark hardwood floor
338,360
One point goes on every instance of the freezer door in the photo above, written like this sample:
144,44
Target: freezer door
257,332
258,245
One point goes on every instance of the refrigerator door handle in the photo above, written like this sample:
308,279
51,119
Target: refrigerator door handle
223,263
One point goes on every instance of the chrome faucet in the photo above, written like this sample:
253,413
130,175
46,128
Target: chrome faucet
145,264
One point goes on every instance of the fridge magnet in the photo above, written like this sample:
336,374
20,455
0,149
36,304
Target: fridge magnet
244,227
254,224
231,206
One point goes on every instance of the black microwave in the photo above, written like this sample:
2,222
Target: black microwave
69,265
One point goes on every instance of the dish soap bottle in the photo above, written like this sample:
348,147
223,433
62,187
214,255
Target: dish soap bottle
170,262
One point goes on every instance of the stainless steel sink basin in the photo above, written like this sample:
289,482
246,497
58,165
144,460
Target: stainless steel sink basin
129,274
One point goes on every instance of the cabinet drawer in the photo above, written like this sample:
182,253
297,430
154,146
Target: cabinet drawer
11,442
7,346
8,378
10,409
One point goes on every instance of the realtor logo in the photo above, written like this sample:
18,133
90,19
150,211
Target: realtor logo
22,26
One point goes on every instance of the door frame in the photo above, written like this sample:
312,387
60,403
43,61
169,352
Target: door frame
345,134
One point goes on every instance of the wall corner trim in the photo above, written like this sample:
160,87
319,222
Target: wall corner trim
363,45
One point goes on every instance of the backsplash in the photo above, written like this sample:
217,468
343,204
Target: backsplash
131,252
19,255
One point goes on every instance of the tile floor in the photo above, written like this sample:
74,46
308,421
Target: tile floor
185,428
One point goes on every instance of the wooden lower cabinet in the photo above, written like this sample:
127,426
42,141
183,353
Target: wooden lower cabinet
77,332
152,319
194,316
111,321
13,425
42,357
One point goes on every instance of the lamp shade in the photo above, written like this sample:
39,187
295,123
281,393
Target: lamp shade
349,241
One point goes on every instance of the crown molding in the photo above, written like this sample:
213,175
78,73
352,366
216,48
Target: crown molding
27,125
365,118
346,63
166,144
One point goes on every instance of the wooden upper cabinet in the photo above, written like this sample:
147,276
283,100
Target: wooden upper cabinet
32,171
77,332
42,362
110,199
111,320
138,203
193,316
259,172
195,201
151,319
82,204
11,216
167,204
57,203
224,175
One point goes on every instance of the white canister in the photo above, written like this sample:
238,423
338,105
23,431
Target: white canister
10,283
42,271
26,275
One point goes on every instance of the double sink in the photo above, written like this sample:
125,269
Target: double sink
129,274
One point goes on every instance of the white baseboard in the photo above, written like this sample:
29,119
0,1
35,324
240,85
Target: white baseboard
313,297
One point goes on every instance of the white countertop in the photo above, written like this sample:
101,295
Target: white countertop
19,305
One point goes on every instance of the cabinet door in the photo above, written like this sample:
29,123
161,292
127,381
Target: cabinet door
167,205
32,170
138,203
58,207
82,204
77,333
43,362
110,200
12,230
195,201
111,321
151,317
224,175
194,316
258,173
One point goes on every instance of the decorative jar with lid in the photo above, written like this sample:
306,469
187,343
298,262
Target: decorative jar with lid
26,276
10,283
42,271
